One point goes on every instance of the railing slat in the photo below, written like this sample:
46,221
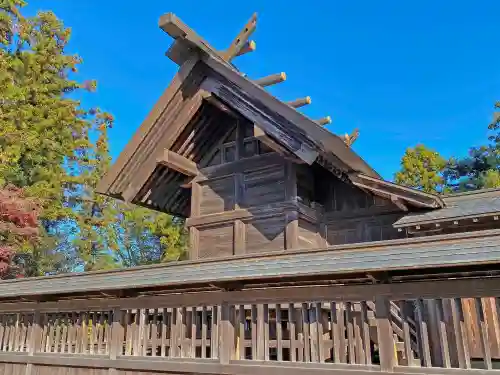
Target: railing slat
350,333
279,333
215,332
483,334
204,332
320,333
443,335
292,335
366,333
423,335
265,312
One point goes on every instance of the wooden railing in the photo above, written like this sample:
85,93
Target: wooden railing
418,327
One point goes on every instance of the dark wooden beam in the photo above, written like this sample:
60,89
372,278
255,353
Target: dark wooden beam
271,80
324,121
260,135
221,106
380,191
272,123
190,43
300,102
399,203
241,39
416,197
178,163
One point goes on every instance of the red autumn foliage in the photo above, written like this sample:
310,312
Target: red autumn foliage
18,223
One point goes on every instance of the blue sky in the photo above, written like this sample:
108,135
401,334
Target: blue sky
403,72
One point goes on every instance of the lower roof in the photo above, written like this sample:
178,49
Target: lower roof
471,205
473,248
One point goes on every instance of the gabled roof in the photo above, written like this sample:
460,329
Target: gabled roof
471,205
216,77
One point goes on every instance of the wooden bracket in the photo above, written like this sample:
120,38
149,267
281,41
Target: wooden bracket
179,163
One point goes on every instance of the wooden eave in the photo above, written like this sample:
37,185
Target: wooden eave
329,264
477,207
399,195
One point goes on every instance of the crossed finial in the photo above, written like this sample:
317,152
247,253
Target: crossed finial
242,45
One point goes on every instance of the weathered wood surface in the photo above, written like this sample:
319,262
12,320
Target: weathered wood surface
294,330
469,249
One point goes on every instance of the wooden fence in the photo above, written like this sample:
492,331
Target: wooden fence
416,327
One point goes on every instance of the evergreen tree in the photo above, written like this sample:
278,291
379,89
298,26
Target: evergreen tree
40,126
56,151
422,168
481,168
148,237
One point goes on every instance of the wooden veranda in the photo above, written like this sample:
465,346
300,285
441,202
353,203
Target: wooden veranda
265,314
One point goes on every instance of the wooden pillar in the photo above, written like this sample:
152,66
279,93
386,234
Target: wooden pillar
34,340
384,334
322,234
239,239
292,218
194,233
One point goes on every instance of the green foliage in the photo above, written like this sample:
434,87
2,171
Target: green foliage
138,247
422,168
490,179
481,167
57,151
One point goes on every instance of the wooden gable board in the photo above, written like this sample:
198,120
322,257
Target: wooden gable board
120,181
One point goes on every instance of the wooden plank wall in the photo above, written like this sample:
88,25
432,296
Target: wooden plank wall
243,201
333,212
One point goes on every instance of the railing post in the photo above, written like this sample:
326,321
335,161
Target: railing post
116,346
226,343
384,334
34,340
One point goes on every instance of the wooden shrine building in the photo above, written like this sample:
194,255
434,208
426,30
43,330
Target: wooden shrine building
302,258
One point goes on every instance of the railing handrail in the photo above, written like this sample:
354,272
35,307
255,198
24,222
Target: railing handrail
451,288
